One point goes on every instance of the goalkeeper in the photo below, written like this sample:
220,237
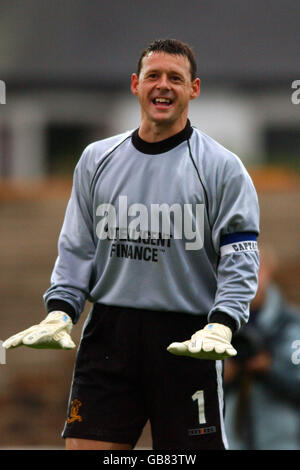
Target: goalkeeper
160,235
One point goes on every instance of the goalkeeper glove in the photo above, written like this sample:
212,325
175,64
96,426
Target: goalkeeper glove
51,333
212,342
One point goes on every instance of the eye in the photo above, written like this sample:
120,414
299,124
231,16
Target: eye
152,75
175,78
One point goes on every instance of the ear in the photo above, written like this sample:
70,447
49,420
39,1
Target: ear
195,89
134,83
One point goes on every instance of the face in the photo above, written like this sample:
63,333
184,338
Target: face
164,88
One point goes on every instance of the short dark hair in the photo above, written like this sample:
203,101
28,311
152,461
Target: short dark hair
171,46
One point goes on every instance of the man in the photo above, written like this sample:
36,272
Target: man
160,235
262,384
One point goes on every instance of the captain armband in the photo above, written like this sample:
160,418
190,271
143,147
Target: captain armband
238,242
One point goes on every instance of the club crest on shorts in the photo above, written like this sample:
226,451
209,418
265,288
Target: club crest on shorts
74,416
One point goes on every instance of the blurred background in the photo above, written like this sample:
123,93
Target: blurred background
66,67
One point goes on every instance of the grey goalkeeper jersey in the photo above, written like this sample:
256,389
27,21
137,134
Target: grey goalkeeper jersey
168,226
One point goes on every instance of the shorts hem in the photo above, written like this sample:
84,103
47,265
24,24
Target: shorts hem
105,437
165,447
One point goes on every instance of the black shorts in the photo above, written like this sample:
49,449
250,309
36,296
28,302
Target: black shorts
124,376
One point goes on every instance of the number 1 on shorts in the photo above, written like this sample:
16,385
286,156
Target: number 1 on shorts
199,396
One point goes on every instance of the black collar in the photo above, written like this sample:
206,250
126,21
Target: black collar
154,148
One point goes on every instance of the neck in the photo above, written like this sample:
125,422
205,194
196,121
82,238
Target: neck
155,132
164,145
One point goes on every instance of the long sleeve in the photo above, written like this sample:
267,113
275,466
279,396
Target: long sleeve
235,231
76,249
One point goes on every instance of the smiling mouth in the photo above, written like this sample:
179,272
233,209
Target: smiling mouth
162,102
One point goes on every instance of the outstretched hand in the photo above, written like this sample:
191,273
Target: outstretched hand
51,333
212,342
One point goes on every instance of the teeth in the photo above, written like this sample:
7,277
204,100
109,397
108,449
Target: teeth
162,100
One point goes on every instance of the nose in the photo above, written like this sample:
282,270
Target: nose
163,82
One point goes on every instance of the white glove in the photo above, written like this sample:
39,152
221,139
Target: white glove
51,333
213,342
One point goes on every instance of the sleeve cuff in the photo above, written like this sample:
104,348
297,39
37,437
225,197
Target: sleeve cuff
61,305
224,319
